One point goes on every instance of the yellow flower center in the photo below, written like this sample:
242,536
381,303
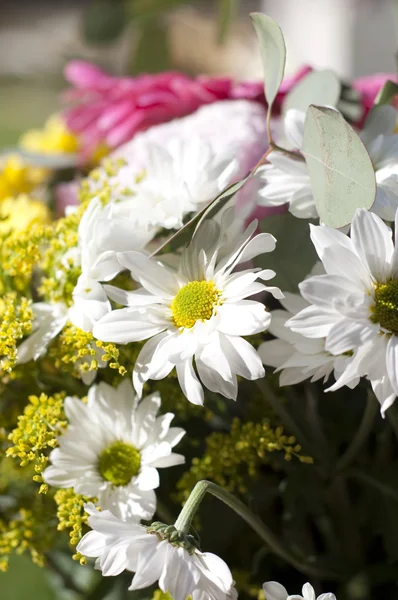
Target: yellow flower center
195,301
119,463
385,308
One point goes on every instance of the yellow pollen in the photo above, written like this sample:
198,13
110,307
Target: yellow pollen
119,463
195,302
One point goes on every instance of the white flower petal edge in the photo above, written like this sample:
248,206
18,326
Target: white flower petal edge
112,449
198,312
119,545
297,357
355,305
275,591
287,180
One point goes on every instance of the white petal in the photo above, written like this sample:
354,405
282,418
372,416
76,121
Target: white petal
189,382
373,242
242,357
274,591
150,564
244,317
123,325
155,278
392,362
275,352
148,479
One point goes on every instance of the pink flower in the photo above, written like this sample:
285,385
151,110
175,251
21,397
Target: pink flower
112,109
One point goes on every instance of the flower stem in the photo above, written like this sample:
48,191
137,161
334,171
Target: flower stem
188,512
362,433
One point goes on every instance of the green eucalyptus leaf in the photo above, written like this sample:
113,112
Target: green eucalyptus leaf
294,255
340,169
273,53
317,87
387,93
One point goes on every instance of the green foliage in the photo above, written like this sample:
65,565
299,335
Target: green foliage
104,21
234,459
387,93
341,172
318,87
273,53
294,255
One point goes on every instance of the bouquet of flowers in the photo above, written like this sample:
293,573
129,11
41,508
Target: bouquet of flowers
187,266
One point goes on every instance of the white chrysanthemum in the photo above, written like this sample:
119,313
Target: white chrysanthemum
276,591
147,551
171,181
112,449
296,357
355,305
287,180
245,142
199,311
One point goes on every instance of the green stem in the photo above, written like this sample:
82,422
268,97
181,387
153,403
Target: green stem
362,433
292,153
188,512
372,482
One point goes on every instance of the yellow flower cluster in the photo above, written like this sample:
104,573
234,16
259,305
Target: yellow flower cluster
36,432
15,322
18,178
77,351
20,213
72,516
23,533
61,273
21,252
232,459
54,138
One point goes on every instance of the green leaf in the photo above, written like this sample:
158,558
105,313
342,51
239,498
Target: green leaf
340,169
387,93
227,13
317,87
273,53
104,21
294,255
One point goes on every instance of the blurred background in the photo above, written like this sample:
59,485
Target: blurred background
38,37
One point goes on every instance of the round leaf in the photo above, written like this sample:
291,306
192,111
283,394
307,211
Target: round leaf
273,53
318,87
340,169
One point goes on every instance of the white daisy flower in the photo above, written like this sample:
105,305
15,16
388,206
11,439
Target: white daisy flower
276,591
158,553
287,180
354,307
199,311
170,181
112,449
244,143
296,357
100,236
